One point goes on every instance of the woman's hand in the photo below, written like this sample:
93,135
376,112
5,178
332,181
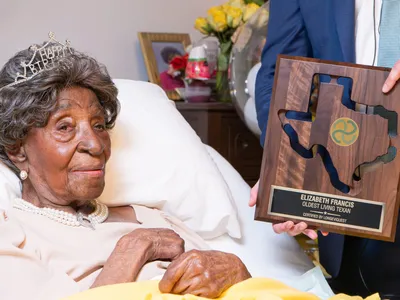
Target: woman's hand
203,273
136,249
161,244
289,227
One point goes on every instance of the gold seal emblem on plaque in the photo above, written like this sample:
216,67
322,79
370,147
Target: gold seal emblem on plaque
344,132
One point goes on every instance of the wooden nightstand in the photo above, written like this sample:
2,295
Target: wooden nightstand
218,125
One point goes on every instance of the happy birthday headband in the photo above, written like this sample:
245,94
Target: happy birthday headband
49,54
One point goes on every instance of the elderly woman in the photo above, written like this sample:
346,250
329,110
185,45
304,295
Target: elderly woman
56,111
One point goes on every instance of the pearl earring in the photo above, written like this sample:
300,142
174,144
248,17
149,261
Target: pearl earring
23,175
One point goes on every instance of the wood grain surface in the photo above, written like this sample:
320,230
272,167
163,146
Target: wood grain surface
282,166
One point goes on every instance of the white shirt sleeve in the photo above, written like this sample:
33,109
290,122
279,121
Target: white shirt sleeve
22,274
367,44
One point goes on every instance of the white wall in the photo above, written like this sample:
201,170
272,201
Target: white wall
106,29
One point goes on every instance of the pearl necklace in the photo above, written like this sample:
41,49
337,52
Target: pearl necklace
99,215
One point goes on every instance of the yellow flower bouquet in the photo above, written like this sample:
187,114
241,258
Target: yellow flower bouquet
222,22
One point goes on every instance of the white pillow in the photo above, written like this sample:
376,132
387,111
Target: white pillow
158,161
10,186
265,253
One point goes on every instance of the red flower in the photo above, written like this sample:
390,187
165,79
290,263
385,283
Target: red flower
179,62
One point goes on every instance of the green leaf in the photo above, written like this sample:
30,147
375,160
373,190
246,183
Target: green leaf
218,81
226,47
223,62
222,87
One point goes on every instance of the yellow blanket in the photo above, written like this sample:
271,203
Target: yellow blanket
251,289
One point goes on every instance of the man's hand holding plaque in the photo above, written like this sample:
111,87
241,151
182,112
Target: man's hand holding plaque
288,227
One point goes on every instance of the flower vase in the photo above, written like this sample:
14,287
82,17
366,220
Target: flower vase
197,91
222,88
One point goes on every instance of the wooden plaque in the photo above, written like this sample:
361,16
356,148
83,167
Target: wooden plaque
359,146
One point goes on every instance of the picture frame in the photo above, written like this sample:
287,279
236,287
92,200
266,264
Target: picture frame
154,47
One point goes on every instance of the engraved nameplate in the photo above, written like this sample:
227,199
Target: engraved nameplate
326,209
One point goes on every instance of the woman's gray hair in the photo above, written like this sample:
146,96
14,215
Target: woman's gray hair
29,104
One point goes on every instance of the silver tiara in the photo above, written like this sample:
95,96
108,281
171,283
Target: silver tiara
49,54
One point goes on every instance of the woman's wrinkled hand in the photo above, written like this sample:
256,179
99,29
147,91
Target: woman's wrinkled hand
160,243
134,250
203,273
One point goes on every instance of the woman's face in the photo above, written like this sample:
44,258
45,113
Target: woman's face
66,159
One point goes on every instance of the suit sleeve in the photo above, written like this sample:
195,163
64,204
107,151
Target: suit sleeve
286,35
22,274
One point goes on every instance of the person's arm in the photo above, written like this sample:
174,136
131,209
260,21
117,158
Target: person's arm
134,250
286,35
22,274
124,263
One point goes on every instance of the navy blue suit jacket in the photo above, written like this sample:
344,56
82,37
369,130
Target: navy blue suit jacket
322,29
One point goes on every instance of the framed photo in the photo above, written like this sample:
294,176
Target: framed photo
158,50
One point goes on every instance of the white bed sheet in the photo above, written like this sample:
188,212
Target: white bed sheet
265,253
